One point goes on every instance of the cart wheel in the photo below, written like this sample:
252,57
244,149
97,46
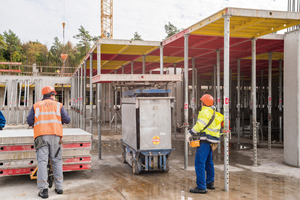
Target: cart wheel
123,157
167,166
135,168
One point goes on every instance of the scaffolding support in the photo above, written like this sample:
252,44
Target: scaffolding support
19,103
84,96
11,100
116,105
161,59
5,91
99,90
261,103
238,100
24,105
193,90
186,107
175,105
91,93
218,89
15,102
269,101
132,67
253,90
109,104
280,101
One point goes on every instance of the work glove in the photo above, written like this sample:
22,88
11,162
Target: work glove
213,146
188,137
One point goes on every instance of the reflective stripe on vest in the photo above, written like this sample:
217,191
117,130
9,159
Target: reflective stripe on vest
38,113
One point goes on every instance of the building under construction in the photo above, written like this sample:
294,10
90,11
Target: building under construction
235,55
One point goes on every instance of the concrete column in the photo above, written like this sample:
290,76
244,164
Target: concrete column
144,64
226,100
186,85
91,93
280,101
291,78
238,100
161,59
99,91
253,89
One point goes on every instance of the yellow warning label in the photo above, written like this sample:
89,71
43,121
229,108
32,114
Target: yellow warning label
156,140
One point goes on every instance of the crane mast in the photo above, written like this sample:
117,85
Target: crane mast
107,19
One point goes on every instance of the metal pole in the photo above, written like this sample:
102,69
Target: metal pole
78,98
144,64
261,103
186,85
109,103
132,66
116,102
84,96
11,99
72,93
15,101
243,105
161,59
5,90
175,104
24,104
99,90
104,104
28,96
218,89
253,87
91,93
19,104
40,91
193,90
280,101
81,102
238,99
196,93
215,83
226,101
269,100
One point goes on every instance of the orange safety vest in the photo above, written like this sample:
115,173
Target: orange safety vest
47,118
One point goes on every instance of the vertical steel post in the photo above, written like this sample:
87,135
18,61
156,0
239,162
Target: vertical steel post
104,104
28,96
99,90
280,101
175,105
19,104
269,100
109,104
11,100
238,99
193,90
161,59
81,102
24,105
40,90
84,96
132,66
78,98
186,85
116,105
253,90
218,89
72,108
261,103
91,93
226,100
196,93
15,104
144,64
215,84
4,96
243,104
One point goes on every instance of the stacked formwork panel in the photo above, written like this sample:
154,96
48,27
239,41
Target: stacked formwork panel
18,156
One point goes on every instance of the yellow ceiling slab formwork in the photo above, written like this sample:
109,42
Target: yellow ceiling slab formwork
245,23
265,56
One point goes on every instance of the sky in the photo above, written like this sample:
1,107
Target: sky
41,20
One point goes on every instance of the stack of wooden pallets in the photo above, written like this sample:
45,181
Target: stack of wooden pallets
18,156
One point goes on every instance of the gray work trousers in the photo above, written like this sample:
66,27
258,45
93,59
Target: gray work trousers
51,145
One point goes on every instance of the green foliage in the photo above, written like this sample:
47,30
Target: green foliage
171,29
3,47
137,36
85,39
13,46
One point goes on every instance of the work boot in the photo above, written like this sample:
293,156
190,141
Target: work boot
210,186
58,191
43,193
197,190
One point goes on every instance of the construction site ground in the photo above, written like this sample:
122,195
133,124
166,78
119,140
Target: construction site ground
110,178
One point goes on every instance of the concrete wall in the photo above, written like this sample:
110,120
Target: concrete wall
292,98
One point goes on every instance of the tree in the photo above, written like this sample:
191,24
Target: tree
3,47
136,36
85,39
171,29
13,44
34,52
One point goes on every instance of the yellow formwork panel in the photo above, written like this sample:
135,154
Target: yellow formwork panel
265,56
112,48
94,63
138,50
167,59
261,23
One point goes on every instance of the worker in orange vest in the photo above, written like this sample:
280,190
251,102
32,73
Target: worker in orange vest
47,117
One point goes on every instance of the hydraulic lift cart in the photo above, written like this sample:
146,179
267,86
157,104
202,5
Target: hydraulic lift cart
146,129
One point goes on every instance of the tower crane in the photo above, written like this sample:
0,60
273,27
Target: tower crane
107,19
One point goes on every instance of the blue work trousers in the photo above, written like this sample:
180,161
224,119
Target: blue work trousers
203,162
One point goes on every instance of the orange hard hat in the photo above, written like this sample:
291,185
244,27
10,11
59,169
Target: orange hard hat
207,99
47,90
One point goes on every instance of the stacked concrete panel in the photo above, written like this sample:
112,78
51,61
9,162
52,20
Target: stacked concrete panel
18,156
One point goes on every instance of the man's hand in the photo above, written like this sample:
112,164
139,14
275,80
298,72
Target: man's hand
188,137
